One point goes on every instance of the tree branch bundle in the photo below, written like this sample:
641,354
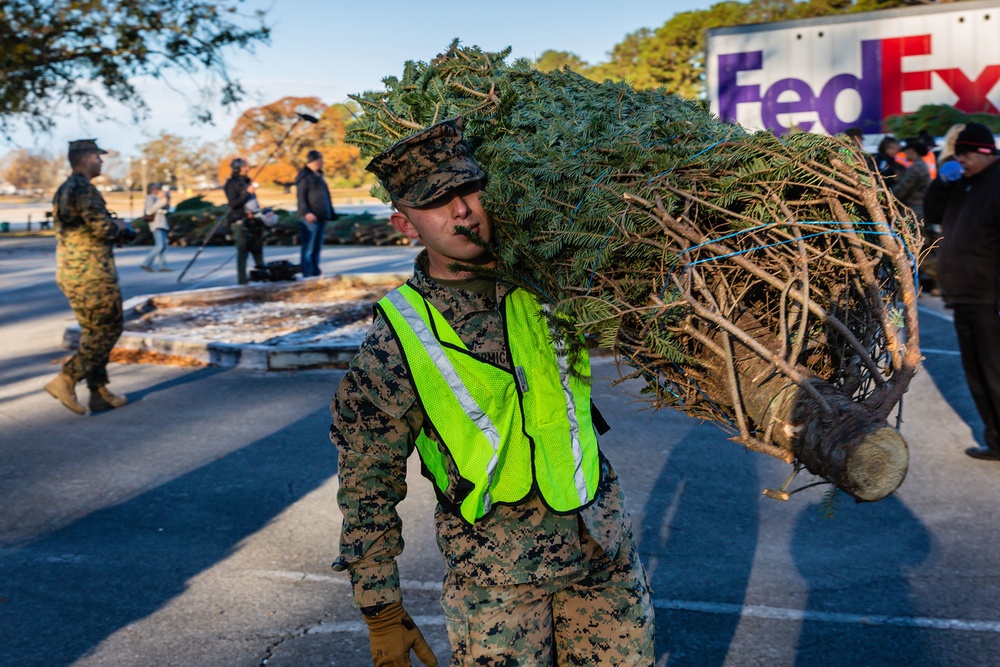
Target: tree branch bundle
762,283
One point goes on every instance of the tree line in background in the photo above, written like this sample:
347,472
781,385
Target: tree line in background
67,53
189,165
673,55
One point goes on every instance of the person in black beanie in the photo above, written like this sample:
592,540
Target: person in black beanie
965,200
315,209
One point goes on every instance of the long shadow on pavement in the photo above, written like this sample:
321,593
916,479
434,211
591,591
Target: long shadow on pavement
32,366
65,593
40,300
946,371
698,540
857,562
193,376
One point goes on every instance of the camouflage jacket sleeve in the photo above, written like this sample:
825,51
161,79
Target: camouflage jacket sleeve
372,427
84,206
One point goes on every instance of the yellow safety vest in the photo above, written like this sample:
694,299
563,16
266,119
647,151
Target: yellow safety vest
506,432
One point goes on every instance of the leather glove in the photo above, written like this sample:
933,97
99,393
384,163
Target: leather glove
391,635
950,172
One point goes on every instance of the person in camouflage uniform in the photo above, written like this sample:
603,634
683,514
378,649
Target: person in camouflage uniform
524,585
85,272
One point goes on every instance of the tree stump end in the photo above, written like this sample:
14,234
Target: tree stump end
877,465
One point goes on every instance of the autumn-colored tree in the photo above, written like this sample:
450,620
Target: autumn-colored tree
276,131
29,171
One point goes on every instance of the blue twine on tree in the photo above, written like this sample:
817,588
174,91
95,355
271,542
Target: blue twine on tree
589,188
775,224
780,243
909,253
606,237
593,269
687,159
890,232
539,290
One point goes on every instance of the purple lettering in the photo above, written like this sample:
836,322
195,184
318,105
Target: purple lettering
827,106
770,107
799,96
868,87
731,93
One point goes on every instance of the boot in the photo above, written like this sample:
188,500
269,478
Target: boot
101,398
63,388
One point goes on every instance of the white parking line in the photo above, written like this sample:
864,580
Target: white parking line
931,350
748,611
780,613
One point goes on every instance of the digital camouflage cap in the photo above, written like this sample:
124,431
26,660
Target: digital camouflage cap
427,165
85,146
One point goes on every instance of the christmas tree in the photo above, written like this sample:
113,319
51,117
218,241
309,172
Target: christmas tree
763,283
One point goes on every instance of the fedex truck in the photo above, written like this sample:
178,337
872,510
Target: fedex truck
828,74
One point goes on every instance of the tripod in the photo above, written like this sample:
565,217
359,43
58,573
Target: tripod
208,237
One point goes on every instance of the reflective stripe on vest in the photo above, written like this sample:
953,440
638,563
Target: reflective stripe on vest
505,435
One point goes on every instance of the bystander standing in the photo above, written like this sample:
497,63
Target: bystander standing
965,201
155,211
315,209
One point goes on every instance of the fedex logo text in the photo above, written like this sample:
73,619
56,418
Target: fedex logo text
880,86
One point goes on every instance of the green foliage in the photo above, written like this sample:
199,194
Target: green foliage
552,60
363,229
198,203
604,198
673,55
193,219
937,119
69,53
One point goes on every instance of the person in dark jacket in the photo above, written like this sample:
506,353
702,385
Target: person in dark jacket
912,183
247,232
910,188
885,159
965,201
314,211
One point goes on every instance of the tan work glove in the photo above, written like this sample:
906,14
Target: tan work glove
391,635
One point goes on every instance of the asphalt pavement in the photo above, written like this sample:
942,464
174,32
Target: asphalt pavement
195,527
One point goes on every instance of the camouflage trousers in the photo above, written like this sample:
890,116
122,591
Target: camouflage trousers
600,616
249,241
98,309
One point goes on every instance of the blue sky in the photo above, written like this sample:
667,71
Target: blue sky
332,49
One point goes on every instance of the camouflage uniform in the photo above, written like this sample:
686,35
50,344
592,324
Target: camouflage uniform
421,168
86,274
523,585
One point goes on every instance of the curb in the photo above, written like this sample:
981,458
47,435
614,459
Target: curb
251,356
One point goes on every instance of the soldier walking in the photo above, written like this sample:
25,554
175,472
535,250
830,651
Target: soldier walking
541,562
85,233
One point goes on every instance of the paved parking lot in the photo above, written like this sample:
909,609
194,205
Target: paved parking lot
195,527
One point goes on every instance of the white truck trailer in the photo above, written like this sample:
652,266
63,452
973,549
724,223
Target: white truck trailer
828,74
